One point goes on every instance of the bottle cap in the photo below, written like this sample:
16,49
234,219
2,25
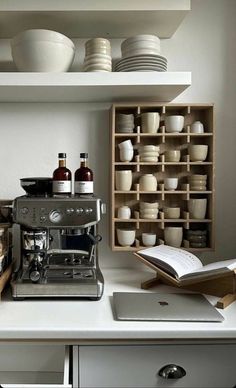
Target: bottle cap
84,155
61,155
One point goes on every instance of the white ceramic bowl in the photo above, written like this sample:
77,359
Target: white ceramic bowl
174,123
126,154
198,152
150,159
127,144
149,148
149,154
149,239
149,205
126,237
41,50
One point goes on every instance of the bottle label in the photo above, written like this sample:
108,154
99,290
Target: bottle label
61,186
84,187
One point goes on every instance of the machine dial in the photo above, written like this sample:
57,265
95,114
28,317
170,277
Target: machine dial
55,216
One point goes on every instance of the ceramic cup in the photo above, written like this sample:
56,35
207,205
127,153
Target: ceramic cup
148,182
126,154
126,237
172,156
127,144
173,236
170,183
197,127
197,208
198,152
149,239
150,122
123,180
124,212
172,212
174,123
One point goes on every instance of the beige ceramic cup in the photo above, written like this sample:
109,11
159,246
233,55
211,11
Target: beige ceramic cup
172,156
197,208
150,122
126,237
172,212
124,212
148,182
123,180
173,236
170,183
198,152
149,239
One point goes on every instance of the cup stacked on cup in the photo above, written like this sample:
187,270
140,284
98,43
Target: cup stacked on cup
124,123
126,151
149,210
98,55
197,182
149,153
197,238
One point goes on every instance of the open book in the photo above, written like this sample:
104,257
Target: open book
182,264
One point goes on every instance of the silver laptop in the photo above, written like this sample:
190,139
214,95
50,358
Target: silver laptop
141,306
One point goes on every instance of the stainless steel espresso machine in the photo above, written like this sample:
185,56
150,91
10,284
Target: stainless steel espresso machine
57,247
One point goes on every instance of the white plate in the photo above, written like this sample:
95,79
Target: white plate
143,57
141,68
143,65
136,60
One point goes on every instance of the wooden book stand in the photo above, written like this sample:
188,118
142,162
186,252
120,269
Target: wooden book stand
223,285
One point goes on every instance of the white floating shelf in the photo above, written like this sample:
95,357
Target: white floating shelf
92,87
91,18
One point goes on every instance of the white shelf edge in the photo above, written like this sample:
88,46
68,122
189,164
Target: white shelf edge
109,19
92,87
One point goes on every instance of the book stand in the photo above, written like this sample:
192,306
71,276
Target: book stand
222,285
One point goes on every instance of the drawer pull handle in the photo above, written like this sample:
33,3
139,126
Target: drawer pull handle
172,371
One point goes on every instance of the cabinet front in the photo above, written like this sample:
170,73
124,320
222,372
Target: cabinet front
157,366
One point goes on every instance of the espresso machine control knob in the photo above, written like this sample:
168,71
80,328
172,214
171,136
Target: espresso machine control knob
24,210
55,216
35,276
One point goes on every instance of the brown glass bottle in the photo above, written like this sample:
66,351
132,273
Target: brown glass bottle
83,177
61,177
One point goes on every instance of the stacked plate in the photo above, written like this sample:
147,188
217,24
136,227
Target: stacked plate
198,182
124,123
149,210
98,55
149,153
141,53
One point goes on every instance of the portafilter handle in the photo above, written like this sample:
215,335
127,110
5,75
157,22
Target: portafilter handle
94,239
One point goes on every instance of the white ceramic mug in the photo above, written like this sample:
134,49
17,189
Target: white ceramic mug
150,122
197,127
174,123
124,212
170,183
148,182
123,180
126,144
149,239
126,237
173,236
126,154
197,208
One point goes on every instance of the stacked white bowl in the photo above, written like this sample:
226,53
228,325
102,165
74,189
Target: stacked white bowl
141,45
141,53
124,123
98,55
149,153
149,210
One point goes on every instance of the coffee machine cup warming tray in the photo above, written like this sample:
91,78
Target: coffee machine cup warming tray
57,248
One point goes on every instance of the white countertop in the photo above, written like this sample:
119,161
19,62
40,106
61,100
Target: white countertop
79,320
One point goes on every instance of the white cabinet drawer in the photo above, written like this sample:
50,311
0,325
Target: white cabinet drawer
39,370
138,366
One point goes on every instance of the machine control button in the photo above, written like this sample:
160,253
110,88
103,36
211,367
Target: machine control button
89,210
80,210
42,218
24,210
55,216
70,210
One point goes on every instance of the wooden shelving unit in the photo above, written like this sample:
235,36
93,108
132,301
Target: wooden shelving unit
162,169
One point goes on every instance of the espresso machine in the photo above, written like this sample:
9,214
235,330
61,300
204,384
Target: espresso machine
57,247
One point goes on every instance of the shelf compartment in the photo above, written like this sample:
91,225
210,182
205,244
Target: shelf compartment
109,19
92,87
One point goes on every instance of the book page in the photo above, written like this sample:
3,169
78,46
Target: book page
216,267
182,262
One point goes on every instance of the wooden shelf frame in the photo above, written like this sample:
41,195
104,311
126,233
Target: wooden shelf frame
192,112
